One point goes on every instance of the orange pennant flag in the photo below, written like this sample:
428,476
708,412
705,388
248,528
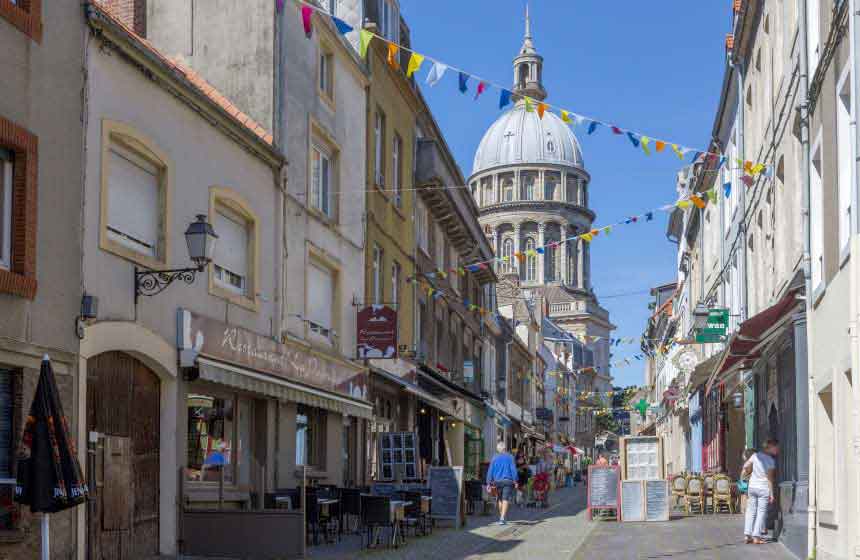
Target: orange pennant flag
659,145
698,201
541,109
392,55
748,166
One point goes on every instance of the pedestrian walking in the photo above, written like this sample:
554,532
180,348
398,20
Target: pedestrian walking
761,470
743,482
502,476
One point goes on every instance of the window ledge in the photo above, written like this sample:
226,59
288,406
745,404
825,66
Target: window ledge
28,21
328,100
17,284
12,536
131,255
246,302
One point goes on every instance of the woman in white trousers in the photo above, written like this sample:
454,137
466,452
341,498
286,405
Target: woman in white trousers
761,469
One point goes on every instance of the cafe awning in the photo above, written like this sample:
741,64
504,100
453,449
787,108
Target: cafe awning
753,335
247,380
411,388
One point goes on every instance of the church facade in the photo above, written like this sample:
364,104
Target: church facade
531,186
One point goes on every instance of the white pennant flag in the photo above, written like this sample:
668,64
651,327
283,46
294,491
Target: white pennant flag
436,73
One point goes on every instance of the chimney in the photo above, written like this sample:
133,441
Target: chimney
132,13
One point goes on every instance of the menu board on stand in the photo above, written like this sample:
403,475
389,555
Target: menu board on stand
656,500
446,487
632,500
642,458
604,490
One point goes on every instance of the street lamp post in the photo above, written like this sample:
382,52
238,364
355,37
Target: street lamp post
200,239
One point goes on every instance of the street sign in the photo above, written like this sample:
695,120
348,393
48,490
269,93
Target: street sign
716,328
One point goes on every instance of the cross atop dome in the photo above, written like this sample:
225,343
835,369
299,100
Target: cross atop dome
528,67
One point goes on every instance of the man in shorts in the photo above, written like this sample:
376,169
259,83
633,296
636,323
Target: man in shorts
503,475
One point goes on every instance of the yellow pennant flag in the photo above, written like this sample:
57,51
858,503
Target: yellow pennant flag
678,151
565,117
587,237
757,168
364,39
392,55
414,64
683,204
643,141
541,109
528,102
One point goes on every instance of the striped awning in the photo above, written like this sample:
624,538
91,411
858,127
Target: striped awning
281,389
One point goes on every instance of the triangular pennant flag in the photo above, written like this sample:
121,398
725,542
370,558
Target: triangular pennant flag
659,145
365,37
279,4
768,171
528,103
608,230
727,189
747,180
463,79
342,27
748,166
644,140
541,109
697,201
436,73
616,130
587,237
592,127
683,204
696,156
392,55
633,139
649,216
678,151
541,250
519,256
414,64
307,13
565,117
481,87
712,195
757,168
504,98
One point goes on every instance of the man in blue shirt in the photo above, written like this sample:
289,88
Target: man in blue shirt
503,475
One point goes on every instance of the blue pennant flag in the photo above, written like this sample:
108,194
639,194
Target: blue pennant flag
696,156
727,189
504,98
541,250
633,139
649,216
463,79
342,26
593,126
722,162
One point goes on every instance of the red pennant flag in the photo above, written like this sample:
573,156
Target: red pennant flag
616,130
482,87
307,12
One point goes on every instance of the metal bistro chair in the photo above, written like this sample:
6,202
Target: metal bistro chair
723,493
350,501
312,515
679,491
474,496
414,517
376,515
709,491
695,494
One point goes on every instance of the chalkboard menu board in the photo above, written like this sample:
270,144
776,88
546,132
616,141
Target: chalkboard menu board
446,488
657,500
632,501
603,488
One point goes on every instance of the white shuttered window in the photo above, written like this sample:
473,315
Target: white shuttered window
133,201
231,252
320,291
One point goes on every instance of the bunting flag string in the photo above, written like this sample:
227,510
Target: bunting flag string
438,70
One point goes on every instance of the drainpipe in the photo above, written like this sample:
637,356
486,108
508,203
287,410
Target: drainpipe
738,66
806,261
854,239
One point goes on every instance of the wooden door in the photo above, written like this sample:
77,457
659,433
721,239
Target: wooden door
123,409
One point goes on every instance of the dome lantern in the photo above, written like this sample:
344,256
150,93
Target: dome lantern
528,67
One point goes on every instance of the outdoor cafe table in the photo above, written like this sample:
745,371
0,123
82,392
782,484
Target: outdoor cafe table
398,516
324,503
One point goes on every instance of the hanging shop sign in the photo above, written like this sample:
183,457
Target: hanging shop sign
202,336
716,328
376,332
468,371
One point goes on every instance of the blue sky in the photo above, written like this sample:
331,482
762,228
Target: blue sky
653,67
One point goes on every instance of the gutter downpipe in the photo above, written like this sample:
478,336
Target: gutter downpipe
738,66
854,245
806,260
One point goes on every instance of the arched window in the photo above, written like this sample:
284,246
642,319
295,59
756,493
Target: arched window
488,192
551,188
531,261
523,75
508,190
551,259
508,253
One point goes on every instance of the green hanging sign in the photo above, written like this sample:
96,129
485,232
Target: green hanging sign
716,328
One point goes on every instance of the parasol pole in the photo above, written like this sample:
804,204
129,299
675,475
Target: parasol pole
46,537
46,520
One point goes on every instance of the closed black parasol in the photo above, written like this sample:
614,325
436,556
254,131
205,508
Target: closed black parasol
49,475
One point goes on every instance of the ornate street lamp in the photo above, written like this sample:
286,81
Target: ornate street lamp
200,239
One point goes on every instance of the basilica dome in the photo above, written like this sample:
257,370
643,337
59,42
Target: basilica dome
522,137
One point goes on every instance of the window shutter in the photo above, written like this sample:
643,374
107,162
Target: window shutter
320,294
231,251
7,407
316,174
133,198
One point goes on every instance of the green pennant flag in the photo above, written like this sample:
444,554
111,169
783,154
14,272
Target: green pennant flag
364,41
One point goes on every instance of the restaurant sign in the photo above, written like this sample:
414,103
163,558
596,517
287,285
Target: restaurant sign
377,332
201,336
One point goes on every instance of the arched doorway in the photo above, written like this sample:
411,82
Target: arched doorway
123,410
